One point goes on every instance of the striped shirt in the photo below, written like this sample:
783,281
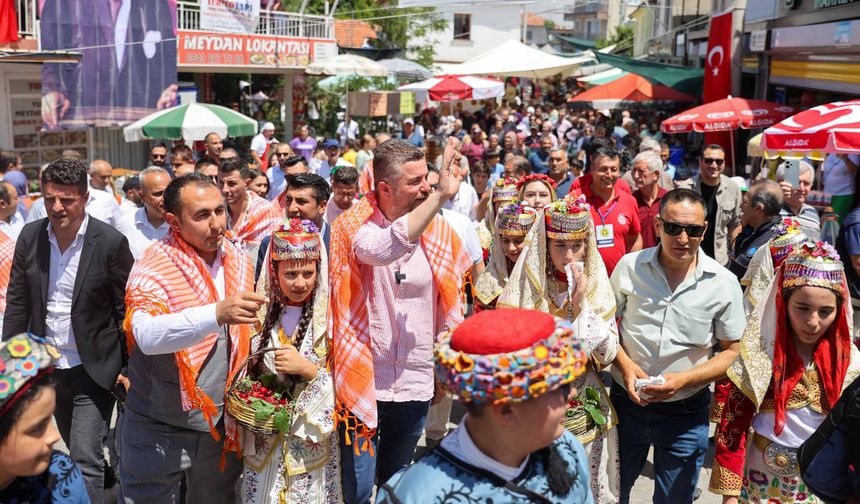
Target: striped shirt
402,328
810,223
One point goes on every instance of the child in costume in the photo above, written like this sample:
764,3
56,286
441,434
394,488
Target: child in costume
796,357
301,465
513,370
31,471
503,192
561,272
512,225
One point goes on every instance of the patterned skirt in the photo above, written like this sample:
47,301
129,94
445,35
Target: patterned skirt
761,485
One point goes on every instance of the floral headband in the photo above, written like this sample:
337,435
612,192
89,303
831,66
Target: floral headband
517,376
22,359
814,264
295,239
536,176
567,219
515,220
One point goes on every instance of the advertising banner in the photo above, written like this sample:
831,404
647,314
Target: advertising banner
222,50
127,66
232,16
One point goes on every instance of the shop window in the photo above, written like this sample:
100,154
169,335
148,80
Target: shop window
462,26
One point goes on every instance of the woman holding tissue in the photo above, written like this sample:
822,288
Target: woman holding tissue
796,358
561,272
301,464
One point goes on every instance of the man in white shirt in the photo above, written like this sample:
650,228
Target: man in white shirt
838,174
345,132
261,144
146,224
288,163
131,190
102,205
11,221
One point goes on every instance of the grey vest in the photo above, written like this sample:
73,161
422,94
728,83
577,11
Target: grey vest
155,391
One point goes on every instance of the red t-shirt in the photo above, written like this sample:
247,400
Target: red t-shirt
647,214
585,181
622,214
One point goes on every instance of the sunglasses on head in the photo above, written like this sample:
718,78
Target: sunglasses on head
675,229
718,162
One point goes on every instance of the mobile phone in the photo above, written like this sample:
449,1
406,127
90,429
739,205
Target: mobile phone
119,392
792,172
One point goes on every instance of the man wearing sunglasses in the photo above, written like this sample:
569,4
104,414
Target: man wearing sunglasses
722,202
677,306
760,214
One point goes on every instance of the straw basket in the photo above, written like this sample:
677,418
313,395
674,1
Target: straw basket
579,423
243,412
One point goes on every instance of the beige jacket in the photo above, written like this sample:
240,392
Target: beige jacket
728,213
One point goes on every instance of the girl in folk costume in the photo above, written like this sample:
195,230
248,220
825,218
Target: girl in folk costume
796,357
561,272
512,226
302,464
504,192
536,190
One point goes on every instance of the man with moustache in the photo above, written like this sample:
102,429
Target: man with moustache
190,310
396,271
647,171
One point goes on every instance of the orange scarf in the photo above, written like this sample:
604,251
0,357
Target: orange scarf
7,252
171,277
352,359
262,215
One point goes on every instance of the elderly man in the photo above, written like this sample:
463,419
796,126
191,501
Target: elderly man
794,200
146,225
191,309
67,285
249,216
677,306
510,449
722,203
387,305
759,214
651,145
614,212
101,204
260,145
214,146
539,158
277,172
11,222
647,171
559,171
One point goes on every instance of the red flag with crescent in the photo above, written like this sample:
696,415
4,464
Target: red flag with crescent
718,77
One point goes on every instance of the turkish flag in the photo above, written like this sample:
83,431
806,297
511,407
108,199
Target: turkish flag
8,22
718,78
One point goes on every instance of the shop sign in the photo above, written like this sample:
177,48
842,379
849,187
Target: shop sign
758,40
249,51
826,4
231,16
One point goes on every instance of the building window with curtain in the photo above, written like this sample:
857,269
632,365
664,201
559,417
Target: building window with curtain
462,26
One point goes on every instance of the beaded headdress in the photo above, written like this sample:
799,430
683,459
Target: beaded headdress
504,191
813,264
536,176
515,220
567,219
22,359
509,355
295,239
787,235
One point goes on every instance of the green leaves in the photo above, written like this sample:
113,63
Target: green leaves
262,409
283,420
595,414
591,395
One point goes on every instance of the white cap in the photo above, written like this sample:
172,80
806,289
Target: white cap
409,120
605,112
530,110
741,182
267,127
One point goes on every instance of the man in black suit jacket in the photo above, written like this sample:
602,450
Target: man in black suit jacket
68,285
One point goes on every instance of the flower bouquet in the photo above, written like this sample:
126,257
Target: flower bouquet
583,413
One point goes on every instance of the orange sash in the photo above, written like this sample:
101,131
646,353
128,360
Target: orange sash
171,277
7,252
352,360
262,215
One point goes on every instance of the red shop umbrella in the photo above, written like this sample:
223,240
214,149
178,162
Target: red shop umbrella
728,114
830,128
630,89
457,87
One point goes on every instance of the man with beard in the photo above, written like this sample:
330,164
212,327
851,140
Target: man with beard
249,216
396,271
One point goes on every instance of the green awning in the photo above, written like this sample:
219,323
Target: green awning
577,42
684,79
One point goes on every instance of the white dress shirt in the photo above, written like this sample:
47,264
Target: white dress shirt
139,231
13,228
127,206
37,211
172,332
61,288
103,206
464,201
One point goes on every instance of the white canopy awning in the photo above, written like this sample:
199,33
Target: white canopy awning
600,77
515,59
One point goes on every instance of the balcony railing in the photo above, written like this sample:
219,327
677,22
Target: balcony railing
28,24
272,23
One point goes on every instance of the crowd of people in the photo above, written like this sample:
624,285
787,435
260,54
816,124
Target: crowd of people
587,292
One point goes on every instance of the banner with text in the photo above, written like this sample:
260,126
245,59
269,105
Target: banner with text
217,50
232,16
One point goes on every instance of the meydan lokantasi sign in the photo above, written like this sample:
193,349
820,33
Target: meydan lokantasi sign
234,16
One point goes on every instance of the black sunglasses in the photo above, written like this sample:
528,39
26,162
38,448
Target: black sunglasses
675,229
719,162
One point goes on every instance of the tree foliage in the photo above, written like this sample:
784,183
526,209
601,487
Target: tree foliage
623,37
